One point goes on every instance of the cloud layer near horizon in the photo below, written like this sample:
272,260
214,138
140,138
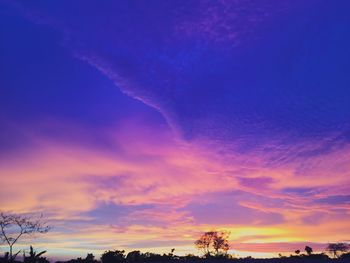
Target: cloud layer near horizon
240,122
156,189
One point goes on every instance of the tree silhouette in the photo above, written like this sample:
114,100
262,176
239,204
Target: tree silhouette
15,226
90,258
113,256
334,248
213,242
308,250
134,256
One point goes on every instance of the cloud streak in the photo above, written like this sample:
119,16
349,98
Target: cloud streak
162,185
253,137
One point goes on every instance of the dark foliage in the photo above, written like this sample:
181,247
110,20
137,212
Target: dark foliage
116,256
113,256
34,257
90,258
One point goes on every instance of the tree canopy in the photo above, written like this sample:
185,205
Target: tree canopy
213,242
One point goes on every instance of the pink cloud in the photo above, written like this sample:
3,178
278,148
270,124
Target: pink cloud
174,178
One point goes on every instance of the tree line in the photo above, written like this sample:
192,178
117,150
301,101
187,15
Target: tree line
214,245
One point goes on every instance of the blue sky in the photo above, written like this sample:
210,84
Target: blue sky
149,122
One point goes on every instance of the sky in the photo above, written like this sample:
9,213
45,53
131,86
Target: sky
139,125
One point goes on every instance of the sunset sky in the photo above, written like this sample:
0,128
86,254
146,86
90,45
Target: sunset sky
141,124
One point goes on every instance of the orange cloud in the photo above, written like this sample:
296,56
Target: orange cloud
161,181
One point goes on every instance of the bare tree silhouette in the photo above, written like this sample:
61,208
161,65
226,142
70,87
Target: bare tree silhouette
15,226
334,248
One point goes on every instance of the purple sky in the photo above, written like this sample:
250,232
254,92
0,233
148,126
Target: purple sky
141,124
